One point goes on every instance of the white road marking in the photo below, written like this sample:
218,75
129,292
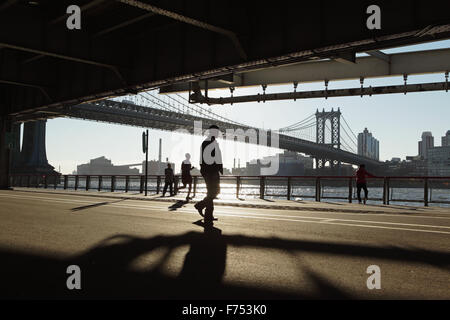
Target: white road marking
160,204
263,216
340,224
338,219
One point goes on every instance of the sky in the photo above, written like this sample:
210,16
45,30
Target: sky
396,120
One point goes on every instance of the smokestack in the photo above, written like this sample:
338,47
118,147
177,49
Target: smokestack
160,148
234,163
239,163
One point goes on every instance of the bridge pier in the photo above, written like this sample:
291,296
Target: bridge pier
5,153
15,152
33,157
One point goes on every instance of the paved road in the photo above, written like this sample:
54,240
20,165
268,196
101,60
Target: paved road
150,249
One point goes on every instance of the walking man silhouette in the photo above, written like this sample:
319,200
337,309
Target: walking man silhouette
210,167
169,179
361,182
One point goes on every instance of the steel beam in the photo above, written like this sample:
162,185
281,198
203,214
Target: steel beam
115,69
194,22
374,66
122,25
85,7
28,85
380,55
61,18
197,97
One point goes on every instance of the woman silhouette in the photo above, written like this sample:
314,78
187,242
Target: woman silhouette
186,177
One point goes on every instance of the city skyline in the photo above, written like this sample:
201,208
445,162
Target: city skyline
238,164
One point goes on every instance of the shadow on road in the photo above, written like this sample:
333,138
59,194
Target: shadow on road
177,205
95,205
107,273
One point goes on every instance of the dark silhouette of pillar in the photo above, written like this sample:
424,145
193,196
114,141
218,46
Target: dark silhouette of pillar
33,157
5,129
15,156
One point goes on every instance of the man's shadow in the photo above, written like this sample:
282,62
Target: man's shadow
204,264
177,205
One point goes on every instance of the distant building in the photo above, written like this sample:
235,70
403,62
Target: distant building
413,166
438,160
157,167
368,146
293,164
103,166
238,171
290,164
426,143
446,139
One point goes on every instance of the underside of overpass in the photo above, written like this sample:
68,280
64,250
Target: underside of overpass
128,46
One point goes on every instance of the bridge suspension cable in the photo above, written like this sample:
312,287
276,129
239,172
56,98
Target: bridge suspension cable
304,129
299,125
212,115
354,135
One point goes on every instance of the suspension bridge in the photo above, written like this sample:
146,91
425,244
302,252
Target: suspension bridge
321,135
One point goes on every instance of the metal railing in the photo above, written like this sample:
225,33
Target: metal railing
318,188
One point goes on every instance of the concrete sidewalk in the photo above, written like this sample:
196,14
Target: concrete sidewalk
325,206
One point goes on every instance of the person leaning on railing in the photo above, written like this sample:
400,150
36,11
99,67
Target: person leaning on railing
361,182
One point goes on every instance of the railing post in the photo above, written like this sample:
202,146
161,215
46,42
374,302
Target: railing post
262,187
45,181
100,182
350,190
66,181
76,182
318,189
141,185
88,182
195,186
57,177
127,183
289,188
388,191
113,182
425,192
238,183
158,184
384,190
28,181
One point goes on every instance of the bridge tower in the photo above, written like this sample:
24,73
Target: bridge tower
32,159
335,119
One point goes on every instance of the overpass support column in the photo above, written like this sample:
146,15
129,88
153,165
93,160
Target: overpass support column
5,133
15,156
